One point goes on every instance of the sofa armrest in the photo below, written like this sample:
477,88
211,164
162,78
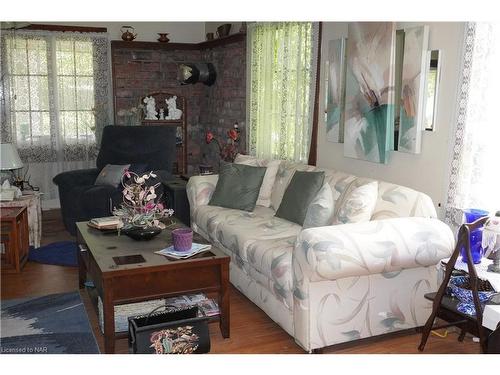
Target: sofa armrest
381,246
199,190
76,178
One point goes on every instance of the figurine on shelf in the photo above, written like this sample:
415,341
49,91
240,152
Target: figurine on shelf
174,113
161,116
150,108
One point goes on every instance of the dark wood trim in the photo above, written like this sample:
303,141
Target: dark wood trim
153,45
313,150
233,38
63,28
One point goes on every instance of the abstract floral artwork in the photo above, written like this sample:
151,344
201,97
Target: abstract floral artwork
411,114
369,102
335,92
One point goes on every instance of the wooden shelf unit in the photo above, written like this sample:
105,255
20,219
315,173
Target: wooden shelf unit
237,37
181,164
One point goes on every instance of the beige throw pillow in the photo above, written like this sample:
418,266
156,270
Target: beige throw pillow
266,188
357,202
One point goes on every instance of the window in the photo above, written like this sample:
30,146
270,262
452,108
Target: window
29,90
475,180
281,82
75,86
54,101
56,91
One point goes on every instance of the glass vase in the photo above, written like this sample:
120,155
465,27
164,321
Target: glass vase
476,236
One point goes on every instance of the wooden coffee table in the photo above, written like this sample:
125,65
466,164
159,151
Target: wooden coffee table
155,277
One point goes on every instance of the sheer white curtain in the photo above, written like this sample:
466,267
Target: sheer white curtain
55,101
282,75
475,173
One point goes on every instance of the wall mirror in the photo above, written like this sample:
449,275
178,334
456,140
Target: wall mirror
433,76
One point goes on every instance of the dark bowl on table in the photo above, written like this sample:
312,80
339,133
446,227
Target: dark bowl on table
142,234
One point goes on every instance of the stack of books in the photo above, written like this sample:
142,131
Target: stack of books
195,249
206,306
105,223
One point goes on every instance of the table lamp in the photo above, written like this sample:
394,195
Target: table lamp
9,157
491,242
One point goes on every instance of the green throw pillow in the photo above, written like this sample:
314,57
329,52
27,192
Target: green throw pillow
111,175
238,186
299,194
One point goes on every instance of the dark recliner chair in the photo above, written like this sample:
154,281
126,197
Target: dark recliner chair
153,147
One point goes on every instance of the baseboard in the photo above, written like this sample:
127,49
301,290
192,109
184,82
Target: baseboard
50,204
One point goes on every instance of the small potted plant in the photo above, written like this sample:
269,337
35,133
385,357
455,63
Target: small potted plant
141,212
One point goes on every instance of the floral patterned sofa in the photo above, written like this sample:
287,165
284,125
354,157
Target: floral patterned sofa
332,284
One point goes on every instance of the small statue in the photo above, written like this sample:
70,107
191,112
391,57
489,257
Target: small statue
150,108
174,113
162,114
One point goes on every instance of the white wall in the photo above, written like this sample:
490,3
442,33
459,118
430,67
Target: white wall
179,32
427,172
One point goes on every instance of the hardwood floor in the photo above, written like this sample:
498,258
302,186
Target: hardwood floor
252,331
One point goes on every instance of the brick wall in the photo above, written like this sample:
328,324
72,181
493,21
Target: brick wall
225,101
137,72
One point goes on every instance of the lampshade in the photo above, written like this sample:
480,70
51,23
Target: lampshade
9,157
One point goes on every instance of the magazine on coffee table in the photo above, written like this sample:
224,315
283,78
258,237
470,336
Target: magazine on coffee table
195,249
206,306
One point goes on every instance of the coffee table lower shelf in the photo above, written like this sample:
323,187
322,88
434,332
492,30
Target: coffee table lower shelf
93,296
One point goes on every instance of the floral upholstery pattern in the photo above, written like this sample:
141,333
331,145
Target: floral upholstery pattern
387,264
199,190
400,201
351,308
258,243
382,246
331,284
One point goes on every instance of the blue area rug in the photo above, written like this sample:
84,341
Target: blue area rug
62,253
53,324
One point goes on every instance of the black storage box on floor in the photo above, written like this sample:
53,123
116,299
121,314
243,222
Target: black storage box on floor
174,332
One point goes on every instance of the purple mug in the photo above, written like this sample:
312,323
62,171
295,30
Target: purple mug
182,239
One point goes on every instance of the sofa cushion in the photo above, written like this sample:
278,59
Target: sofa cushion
321,209
111,175
260,244
299,194
238,186
357,202
283,177
236,229
266,188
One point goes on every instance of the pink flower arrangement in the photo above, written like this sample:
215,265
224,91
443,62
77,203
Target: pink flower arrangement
140,207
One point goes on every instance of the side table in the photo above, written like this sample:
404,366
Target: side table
14,238
445,307
33,205
175,191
